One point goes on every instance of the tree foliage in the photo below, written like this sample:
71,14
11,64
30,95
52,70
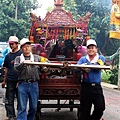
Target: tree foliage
14,18
71,6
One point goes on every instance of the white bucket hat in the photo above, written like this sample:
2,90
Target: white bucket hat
24,41
13,39
91,42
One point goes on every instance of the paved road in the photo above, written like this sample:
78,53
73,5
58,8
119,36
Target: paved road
112,98
112,111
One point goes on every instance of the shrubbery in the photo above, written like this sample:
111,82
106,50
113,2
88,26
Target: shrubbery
111,76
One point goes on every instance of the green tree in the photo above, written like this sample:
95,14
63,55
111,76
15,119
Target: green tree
70,5
14,19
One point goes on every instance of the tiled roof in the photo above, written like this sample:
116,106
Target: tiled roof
59,17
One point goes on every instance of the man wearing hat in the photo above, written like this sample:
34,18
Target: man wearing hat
11,77
28,77
91,90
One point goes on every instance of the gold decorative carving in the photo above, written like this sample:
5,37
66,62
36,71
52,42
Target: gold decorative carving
49,91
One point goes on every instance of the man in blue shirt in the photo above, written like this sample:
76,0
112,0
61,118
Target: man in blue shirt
91,90
11,77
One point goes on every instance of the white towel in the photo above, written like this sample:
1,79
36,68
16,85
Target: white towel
94,59
22,58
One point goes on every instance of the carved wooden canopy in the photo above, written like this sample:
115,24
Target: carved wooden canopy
60,17
59,24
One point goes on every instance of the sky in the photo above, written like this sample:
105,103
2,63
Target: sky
45,4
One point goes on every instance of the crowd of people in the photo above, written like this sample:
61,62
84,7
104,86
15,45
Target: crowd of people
22,81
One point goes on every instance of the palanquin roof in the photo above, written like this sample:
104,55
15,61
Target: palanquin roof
60,17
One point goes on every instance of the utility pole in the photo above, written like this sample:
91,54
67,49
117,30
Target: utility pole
119,71
16,12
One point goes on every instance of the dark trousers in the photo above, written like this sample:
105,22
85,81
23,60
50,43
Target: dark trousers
92,95
11,92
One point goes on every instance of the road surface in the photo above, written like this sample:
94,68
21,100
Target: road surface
112,111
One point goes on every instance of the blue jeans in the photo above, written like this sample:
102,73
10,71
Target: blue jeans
27,91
